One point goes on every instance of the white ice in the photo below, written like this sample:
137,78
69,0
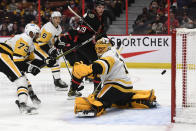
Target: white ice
56,112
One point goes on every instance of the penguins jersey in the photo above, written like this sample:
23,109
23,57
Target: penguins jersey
114,69
21,47
49,35
13,55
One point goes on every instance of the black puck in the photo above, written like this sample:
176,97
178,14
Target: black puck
163,72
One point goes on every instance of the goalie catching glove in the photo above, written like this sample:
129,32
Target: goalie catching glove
88,107
81,70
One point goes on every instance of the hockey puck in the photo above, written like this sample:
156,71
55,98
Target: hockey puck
163,72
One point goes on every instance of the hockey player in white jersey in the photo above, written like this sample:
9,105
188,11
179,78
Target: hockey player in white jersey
116,89
16,59
44,47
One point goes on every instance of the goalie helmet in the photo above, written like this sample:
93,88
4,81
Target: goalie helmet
32,28
102,45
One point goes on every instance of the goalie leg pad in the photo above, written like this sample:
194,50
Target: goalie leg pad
143,99
144,94
88,107
139,104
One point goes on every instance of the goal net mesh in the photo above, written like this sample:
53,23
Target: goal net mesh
185,76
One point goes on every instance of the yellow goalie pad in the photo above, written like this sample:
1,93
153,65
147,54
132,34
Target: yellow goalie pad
143,99
88,104
144,94
80,70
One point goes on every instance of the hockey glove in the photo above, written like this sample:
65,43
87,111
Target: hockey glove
60,45
33,69
53,52
50,61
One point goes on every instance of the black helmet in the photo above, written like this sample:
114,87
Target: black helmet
99,2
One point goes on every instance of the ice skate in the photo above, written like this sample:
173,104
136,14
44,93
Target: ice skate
24,109
60,85
35,100
72,94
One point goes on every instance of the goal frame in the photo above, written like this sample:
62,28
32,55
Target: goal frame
184,66
173,77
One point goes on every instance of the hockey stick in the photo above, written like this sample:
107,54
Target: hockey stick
81,19
75,47
66,63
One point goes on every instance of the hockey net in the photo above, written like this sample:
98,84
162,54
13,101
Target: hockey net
184,76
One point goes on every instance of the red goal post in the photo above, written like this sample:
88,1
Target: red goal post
183,80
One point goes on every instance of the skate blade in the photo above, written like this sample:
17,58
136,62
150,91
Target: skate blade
82,114
61,89
71,97
33,112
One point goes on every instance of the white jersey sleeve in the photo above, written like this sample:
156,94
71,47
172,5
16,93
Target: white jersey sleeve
114,68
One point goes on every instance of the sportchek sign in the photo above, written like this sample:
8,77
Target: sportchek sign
142,51
145,50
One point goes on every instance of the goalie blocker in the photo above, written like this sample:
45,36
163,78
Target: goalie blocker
117,90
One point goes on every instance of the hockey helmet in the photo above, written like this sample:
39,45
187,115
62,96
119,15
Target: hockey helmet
99,2
56,14
32,28
102,45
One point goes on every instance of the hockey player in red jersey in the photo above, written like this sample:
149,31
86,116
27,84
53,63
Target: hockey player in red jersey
93,26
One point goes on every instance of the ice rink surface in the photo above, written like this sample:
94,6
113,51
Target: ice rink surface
56,112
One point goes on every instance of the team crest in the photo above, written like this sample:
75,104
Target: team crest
91,15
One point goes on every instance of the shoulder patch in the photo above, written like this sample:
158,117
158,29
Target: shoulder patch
91,15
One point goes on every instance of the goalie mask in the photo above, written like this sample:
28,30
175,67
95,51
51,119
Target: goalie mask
102,45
